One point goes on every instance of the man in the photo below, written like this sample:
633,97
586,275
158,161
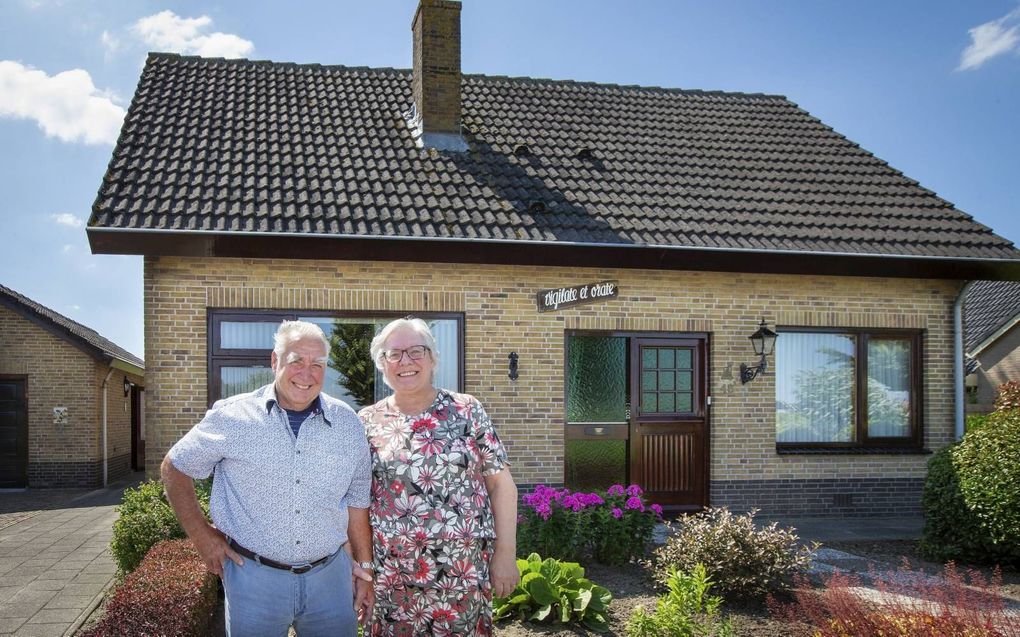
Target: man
291,486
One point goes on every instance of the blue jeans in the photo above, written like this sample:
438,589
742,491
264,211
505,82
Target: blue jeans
262,601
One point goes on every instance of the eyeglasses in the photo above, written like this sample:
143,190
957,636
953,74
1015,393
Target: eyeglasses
415,353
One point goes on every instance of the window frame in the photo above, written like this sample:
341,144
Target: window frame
914,441
217,357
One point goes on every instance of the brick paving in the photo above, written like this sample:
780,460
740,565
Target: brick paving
54,557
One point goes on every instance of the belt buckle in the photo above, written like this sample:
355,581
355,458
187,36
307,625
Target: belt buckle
301,568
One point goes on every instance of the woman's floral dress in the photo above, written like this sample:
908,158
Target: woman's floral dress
431,519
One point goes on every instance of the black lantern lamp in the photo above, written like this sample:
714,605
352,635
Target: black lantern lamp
512,373
127,387
763,341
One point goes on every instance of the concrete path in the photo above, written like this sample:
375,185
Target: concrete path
55,561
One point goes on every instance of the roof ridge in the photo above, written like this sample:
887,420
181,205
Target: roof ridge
477,76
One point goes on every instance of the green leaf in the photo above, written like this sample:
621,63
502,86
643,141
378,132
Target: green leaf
550,569
541,590
596,621
581,601
565,608
542,613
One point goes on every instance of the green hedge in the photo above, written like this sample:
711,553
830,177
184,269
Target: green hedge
972,496
145,519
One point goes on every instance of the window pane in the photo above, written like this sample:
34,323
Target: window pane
667,402
683,380
683,358
596,379
667,358
352,375
595,464
667,380
648,381
649,357
648,402
238,380
888,388
684,402
247,334
815,387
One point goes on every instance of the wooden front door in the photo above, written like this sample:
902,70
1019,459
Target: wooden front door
668,420
13,434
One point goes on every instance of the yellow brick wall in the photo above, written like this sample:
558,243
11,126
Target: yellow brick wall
498,303
62,375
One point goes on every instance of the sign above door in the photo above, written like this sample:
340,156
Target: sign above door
559,298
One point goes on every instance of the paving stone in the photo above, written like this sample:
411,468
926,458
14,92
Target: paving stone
59,574
70,601
54,615
25,603
41,630
10,624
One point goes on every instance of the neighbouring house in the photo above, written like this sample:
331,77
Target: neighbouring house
991,315
593,259
71,401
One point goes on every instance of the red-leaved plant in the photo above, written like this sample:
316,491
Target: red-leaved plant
908,603
170,594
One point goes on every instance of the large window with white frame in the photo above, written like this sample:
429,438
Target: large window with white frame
241,342
848,389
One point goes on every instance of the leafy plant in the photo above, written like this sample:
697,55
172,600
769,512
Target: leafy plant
146,518
170,593
613,526
972,495
742,560
685,611
908,603
553,591
349,354
1007,396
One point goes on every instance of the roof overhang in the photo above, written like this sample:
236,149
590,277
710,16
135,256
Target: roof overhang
196,243
996,335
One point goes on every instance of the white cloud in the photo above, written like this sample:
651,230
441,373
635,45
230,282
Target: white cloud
991,39
110,42
67,248
166,31
67,219
66,105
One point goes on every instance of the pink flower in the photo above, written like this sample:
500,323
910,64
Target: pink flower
657,508
617,513
634,503
633,490
544,510
616,489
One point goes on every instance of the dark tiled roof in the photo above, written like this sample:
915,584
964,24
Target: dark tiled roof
84,337
989,305
261,147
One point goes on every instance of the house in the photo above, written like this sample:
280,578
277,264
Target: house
70,401
991,314
593,259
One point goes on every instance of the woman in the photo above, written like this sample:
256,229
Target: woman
444,506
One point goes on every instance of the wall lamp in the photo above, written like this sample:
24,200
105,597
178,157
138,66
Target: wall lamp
513,366
127,387
763,341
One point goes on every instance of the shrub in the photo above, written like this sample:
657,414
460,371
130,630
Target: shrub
908,603
686,610
1007,396
741,560
146,518
554,591
971,495
612,526
170,594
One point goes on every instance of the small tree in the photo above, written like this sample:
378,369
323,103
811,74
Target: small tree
349,354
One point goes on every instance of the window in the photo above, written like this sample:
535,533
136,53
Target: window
240,345
847,388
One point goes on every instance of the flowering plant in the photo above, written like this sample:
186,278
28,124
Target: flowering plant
612,526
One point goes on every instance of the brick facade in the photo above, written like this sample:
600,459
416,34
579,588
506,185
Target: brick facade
62,375
498,304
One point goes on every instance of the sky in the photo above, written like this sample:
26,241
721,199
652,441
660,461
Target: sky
930,86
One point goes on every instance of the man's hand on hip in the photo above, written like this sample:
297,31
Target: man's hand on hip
212,545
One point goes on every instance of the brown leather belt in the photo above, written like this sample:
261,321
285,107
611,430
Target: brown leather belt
265,561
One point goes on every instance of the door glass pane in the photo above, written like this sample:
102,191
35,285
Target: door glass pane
815,387
648,381
667,380
685,402
648,402
649,357
247,334
667,358
667,402
888,387
595,464
238,380
683,380
660,378
596,379
683,358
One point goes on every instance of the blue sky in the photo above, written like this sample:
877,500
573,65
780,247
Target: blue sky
932,87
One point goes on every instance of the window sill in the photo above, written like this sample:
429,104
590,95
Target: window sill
852,451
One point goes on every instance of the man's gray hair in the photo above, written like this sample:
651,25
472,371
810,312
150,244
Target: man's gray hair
290,331
420,327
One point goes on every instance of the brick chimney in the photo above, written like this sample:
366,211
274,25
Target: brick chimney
435,116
